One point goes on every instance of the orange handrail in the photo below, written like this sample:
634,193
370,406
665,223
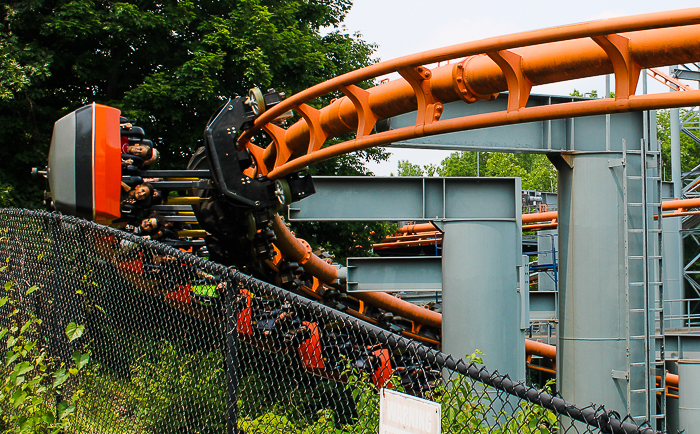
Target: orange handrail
671,82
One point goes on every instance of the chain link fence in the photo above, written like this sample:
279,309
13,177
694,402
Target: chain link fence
110,333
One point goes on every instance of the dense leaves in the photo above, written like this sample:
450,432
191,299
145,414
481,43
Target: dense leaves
536,171
168,64
690,151
38,393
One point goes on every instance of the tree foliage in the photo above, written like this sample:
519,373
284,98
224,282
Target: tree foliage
690,151
168,64
406,168
536,171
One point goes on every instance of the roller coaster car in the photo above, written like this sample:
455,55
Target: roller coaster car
84,169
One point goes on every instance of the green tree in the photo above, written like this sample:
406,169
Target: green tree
431,169
168,64
541,176
591,94
690,151
407,169
536,171
463,163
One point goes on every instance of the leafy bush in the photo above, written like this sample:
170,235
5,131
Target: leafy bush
32,385
279,418
180,392
466,407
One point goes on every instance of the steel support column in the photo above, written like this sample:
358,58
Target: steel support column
674,117
673,266
481,304
594,352
689,395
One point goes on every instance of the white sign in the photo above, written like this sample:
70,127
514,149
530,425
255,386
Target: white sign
405,414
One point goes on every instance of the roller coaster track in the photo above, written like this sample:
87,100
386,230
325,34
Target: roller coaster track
491,66
479,71
423,233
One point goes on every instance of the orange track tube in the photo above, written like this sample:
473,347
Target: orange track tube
299,251
540,349
414,229
546,56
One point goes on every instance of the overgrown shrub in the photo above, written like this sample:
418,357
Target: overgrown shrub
180,392
33,385
467,407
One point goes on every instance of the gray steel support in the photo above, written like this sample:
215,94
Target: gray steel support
592,363
543,306
406,273
673,266
689,395
482,248
683,344
685,74
672,403
546,243
360,198
674,115
590,133
481,304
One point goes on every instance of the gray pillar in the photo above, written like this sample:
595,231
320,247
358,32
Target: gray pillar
689,395
673,272
481,306
672,403
592,340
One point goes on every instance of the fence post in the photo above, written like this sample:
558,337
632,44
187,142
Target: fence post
231,362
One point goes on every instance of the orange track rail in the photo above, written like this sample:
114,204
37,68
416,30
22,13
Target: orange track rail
547,220
549,55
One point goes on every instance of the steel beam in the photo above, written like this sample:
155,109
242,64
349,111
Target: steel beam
408,274
683,344
572,134
685,74
543,305
354,198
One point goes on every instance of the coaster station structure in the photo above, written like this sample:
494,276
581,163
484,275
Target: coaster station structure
611,344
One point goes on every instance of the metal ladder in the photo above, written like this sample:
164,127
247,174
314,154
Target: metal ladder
644,287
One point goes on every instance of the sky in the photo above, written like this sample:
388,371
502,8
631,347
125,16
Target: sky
402,27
